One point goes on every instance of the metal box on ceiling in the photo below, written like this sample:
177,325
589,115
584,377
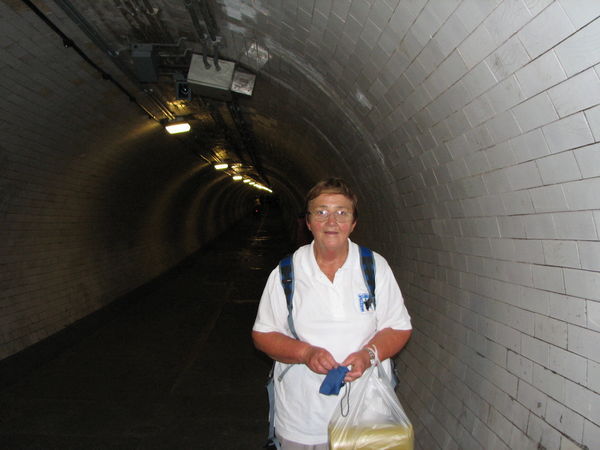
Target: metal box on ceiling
211,82
145,62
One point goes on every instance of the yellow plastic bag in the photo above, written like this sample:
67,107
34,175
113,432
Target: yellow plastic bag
370,416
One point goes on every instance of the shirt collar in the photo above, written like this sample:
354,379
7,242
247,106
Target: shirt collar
349,263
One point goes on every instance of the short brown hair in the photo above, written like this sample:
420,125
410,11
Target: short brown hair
333,186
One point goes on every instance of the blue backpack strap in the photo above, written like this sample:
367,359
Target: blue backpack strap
286,273
367,264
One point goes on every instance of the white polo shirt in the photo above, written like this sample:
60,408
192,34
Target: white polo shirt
326,314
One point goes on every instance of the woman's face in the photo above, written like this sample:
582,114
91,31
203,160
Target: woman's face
330,234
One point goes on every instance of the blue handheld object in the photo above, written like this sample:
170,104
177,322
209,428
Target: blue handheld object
334,380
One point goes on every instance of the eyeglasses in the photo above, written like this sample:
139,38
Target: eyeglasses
339,215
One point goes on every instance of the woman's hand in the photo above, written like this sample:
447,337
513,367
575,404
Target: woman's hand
357,362
319,360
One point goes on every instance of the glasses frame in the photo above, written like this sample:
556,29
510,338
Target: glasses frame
336,214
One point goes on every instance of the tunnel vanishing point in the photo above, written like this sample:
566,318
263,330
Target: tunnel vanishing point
469,129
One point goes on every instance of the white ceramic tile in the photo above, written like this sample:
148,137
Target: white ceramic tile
522,176
479,79
588,159
584,342
561,253
491,205
535,6
380,13
529,250
430,57
503,126
388,41
567,364
593,118
593,323
575,225
583,194
568,309
370,34
539,226
508,58
567,133
581,50
501,155
442,10
505,94
472,12
547,29
477,46
506,19
535,349
479,137
518,202
426,25
549,329
589,253
581,11
415,73
450,35
591,434
540,74
477,163
529,146
452,69
459,147
457,97
566,421
597,220
512,227
576,93
478,111
558,168
549,199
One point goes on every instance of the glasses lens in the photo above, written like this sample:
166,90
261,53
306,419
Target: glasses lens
321,215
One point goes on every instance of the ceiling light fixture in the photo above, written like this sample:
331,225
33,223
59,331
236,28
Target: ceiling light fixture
177,127
237,177
221,166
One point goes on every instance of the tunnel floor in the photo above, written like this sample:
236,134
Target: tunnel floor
174,369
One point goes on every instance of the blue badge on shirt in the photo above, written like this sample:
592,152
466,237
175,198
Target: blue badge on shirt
365,303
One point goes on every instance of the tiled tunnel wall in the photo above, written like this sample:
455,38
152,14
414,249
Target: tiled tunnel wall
470,129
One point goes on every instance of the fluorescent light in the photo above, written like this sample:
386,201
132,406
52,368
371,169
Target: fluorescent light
247,180
237,177
221,166
177,127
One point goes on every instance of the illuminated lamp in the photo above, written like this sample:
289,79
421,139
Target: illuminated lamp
177,127
221,166
237,177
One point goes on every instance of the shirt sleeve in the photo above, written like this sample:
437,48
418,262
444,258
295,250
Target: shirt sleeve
272,309
391,311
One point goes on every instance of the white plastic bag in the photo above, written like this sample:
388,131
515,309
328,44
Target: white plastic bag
370,416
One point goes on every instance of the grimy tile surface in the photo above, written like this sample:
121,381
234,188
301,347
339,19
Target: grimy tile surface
174,368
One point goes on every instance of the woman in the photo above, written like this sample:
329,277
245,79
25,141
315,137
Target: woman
333,326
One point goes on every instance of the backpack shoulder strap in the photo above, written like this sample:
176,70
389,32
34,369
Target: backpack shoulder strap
286,273
367,264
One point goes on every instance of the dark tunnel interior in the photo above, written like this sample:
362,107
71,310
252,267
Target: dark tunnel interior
469,129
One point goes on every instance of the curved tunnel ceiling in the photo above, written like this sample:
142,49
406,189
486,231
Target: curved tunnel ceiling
302,112
469,128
